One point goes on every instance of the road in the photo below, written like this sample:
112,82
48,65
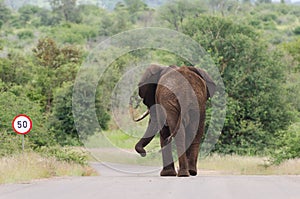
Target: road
116,184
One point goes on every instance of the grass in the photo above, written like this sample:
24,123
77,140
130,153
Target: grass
241,165
28,166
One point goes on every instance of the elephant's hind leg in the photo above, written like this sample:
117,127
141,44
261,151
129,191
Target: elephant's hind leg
181,151
193,149
168,162
192,144
192,155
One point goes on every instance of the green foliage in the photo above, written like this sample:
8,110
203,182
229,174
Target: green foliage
57,65
135,8
297,30
293,48
252,75
288,146
28,13
175,12
71,155
66,9
26,34
74,33
48,18
62,122
13,103
9,143
84,99
5,13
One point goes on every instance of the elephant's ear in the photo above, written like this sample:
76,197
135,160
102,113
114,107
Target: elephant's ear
210,84
150,78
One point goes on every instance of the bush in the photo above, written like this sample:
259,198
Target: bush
9,143
62,119
268,17
71,155
13,104
288,144
26,34
297,30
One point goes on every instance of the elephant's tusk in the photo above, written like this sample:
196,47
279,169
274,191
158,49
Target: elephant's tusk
141,117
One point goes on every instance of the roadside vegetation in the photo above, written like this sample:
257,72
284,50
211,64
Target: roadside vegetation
28,166
256,47
216,164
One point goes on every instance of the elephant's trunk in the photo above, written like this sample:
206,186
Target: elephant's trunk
152,129
139,147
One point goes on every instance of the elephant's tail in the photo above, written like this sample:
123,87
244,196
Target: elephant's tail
173,134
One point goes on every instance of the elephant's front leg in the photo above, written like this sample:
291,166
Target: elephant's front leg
168,162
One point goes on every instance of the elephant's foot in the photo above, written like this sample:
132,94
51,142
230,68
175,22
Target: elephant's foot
192,169
193,172
168,172
183,173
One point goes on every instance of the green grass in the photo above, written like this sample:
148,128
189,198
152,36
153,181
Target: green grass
28,166
243,165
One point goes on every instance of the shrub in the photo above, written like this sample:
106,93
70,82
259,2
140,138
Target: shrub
9,143
297,30
71,155
26,34
62,119
288,146
13,103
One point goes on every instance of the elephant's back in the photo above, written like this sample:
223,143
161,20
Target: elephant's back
182,85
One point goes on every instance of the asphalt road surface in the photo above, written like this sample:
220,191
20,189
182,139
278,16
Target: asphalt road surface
114,183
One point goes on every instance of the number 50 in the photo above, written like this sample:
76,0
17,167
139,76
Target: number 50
22,124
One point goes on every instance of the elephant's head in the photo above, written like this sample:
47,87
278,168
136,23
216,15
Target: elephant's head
148,83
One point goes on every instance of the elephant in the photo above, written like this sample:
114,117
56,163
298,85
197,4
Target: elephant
176,101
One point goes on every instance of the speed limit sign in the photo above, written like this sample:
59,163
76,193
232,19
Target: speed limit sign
22,124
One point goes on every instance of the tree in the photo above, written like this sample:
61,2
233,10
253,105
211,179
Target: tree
16,4
257,105
5,13
56,65
293,48
135,8
66,9
27,12
293,82
62,120
176,11
264,1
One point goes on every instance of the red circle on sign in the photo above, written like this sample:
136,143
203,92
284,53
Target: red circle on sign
27,130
